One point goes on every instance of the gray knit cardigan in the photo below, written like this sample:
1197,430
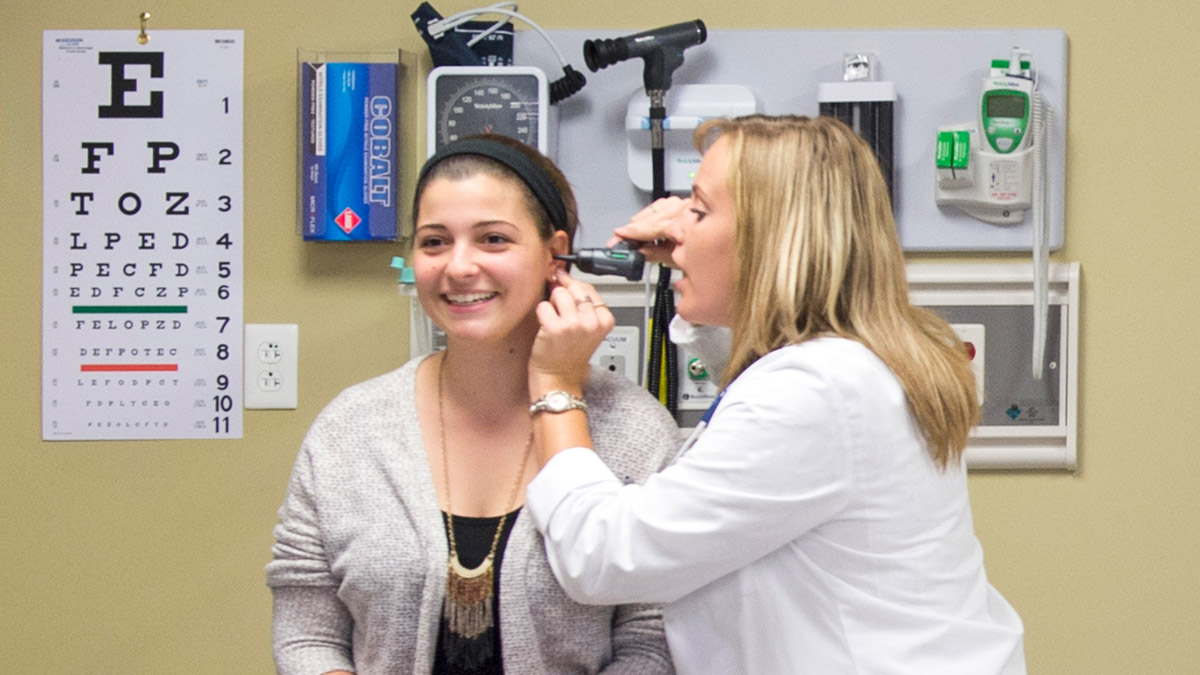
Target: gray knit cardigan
359,562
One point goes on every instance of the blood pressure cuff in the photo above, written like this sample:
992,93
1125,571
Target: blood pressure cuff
451,48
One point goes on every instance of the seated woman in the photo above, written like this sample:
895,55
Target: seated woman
401,545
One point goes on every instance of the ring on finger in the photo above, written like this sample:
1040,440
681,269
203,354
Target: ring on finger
584,299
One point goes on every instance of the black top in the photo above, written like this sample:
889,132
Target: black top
474,539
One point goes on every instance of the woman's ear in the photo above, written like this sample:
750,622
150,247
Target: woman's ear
558,245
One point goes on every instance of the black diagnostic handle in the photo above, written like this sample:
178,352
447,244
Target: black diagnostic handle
618,261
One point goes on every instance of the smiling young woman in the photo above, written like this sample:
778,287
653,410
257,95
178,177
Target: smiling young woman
402,544
479,260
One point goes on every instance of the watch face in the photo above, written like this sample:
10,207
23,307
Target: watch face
505,103
557,401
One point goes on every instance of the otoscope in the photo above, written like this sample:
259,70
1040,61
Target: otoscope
662,51
619,261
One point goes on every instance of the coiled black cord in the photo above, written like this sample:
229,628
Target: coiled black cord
567,85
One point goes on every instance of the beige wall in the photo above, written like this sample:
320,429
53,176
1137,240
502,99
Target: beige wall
146,557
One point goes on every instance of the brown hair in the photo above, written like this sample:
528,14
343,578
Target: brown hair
458,167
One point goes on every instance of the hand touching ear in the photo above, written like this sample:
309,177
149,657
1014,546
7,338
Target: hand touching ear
573,323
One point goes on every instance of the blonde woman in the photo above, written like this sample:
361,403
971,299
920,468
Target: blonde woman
820,522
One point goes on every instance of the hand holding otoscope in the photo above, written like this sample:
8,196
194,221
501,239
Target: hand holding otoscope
643,239
646,231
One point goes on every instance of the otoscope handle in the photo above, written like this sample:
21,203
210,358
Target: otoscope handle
617,261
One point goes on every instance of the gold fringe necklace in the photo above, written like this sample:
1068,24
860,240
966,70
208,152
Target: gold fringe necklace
469,592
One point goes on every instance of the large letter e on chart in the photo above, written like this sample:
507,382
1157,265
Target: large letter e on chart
121,85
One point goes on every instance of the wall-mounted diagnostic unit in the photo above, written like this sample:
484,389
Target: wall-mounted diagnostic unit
990,168
995,169
785,70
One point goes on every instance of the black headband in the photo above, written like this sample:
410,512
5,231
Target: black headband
526,169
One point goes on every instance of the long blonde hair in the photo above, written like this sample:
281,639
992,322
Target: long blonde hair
817,255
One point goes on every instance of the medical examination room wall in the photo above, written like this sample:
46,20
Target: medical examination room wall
146,557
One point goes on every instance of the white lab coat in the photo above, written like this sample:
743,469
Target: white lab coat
806,531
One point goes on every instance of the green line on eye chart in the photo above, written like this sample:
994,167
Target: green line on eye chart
129,309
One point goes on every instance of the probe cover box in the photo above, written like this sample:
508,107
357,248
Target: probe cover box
348,150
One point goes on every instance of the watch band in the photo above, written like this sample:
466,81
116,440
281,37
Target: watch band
557,401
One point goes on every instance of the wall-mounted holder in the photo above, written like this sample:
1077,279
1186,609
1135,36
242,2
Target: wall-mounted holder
866,105
348,146
687,106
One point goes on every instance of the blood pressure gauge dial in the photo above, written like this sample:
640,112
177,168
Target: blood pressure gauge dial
467,100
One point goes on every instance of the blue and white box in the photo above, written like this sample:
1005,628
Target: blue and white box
348,151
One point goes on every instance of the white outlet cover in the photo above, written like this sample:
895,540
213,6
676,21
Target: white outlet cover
271,366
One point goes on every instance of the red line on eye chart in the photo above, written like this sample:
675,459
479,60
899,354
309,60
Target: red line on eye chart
128,367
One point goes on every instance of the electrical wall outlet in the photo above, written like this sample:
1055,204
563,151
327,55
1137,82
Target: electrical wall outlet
271,370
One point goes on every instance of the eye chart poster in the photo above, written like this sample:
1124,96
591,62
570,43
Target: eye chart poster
142,235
